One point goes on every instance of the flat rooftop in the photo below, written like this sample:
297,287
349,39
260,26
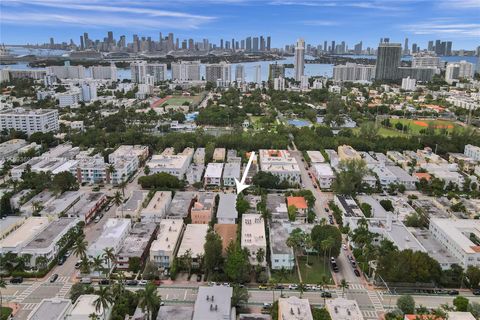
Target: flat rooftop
87,201
193,239
50,309
227,206
168,235
181,203
27,231
315,156
134,202
137,240
344,309
278,238
112,232
323,169
8,223
293,308
459,232
159,201
45,238
231,170
214,170
175,313
61,203
433,247
213,303
253,230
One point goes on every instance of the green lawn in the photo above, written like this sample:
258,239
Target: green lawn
179,100
315,271
5,313
291,277
416,125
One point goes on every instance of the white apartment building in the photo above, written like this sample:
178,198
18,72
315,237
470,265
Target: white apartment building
425,61
113,234
164,249
70,98
344,309
240,73
281,255
456,236
104,72
458,70
293,308
281,164
220,73
186,71
176,165
279,83
4,75
157,207
231,171
253,236
67,72
89,92
213,174
353,72
324,175
409,84
472,152
20,237
85,306
194,241
45,244
29,121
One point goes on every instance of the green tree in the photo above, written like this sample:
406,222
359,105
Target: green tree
80,248
260,255
321,234
242,205
3,285
366,209
159,180
266,180
292,212
344,286
212,258
237,265
348,179
104,300
64,181
134,264
461,303
320,314
109,256
406,304
387,205
369,130
79,289
472,275
240,296
149,300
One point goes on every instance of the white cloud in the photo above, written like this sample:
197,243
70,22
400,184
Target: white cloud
324,23
444,27
460,4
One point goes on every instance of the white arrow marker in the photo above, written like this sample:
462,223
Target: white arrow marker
241,184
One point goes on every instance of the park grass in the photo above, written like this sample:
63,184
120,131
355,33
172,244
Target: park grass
316,271
387,132
179,100
415,127
5,313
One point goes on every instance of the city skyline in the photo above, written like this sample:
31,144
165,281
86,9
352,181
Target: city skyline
27,21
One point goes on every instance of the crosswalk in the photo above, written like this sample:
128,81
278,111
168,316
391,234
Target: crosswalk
357,286
27,292
63,279
65,289
368,314
377,304
28,306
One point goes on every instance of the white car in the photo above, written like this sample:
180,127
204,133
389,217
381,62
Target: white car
142,282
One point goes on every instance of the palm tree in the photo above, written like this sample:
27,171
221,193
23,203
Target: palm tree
123,184
93,316
109,255
103,301
260,256
118,199
3,285
326,245
97,264
110,171
301,288
344,285
80,248
149,299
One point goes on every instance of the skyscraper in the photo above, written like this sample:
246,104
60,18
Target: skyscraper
239,73
405,47
268,43
86,40
255,46
82,45
110,37
275,70
248,45
332,49
258,74
299,59
388,61
414,48
448,50
358,48
430,45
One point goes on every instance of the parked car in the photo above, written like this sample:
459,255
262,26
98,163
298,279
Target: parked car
86,280
97,219
453,292
279,287
53,278
476,292
77,265
357,273
326,294
262,287
199,277
104,282
61,260
142,282
16,280
131,282
68,253
267,305
293,287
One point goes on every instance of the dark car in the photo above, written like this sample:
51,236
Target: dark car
54,278
104,282
453,292
61,260
279,287
199,277
326,294
476,292
131,282
16,280
357,273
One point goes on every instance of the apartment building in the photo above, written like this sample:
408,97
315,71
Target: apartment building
193,242
203,208
29,121
213,174
164,249
253,236
231,171
136,244
157,207
281,164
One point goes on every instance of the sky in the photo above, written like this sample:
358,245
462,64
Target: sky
35,21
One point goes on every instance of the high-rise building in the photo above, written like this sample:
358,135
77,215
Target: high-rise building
448,49
157,70
67,72
430,46
358,48
353,72
104,72
29,121
248,44
388,61
429,60
325,46
276,70
332,49
279,83
86,40
110,37
269,43
255,46
239,73
258,74
262,43
221,44
299,64
405,47
186,71
242,44
220,73
82,45
414,48
458,70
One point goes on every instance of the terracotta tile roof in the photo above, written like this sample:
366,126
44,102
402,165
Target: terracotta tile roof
298,202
